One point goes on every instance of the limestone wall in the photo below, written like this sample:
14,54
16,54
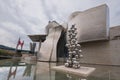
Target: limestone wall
92,24
103,52
48,50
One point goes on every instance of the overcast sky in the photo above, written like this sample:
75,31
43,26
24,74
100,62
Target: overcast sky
18,18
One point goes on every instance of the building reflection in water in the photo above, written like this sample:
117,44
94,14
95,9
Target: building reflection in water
16,70
44,72
27,71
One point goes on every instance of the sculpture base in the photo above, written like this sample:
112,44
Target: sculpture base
82,71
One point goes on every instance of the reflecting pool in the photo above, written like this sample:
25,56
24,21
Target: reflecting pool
15,69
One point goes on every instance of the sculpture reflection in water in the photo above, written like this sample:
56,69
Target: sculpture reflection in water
44,72
59,76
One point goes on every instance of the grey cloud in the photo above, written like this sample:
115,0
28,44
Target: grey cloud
46,11
11,11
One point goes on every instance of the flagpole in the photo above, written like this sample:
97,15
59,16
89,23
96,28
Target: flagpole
17,45
22,45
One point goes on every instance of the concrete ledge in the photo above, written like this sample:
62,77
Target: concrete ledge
83,71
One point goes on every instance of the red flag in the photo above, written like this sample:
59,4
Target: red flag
20,43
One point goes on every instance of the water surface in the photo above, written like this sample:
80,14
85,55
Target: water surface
15,69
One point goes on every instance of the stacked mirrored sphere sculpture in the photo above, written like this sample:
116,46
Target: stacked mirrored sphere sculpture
74,49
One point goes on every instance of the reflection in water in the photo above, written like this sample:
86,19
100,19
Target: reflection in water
27,71
59,76
44,72
101,73
17,70
12,73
